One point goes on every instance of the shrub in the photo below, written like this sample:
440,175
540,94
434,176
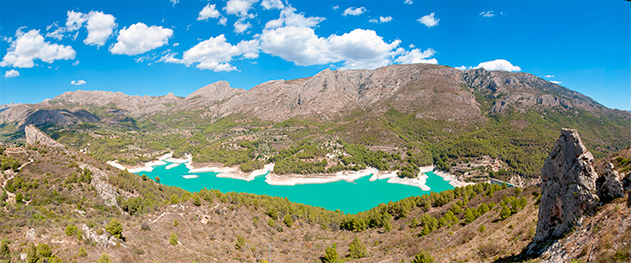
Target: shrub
288,221
43,250
82,252
31,253
622,255
423,257
71,230
240,245
330,254
173,239
104,259
356,249
145,226
5,253
175,223
115,228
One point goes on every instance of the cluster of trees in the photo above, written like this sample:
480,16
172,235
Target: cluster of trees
296,166
511,205
225,155
359,155
356,250
18,183
40,253
8,162
83,176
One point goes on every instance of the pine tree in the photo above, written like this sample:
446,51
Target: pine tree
115,228
330,254
357,249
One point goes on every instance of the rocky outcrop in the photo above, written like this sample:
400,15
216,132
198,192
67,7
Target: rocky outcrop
626,184
36,137
99,240
609,185
568,187
106,191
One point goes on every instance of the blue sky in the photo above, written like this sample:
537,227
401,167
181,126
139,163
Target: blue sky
156,47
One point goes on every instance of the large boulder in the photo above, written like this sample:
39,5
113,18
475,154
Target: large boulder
609,185
568,187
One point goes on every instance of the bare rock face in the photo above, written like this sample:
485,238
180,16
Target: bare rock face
568,187
609,185
35,136
626,184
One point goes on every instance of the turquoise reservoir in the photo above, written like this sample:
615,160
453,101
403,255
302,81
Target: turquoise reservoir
353,197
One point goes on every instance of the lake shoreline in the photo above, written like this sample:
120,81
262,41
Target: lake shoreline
272,178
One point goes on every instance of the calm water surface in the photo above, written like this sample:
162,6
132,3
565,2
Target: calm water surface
357,196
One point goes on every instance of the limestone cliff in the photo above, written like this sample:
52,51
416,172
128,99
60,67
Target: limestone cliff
34,136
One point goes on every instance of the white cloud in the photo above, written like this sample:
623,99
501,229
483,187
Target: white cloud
75,20
289,18
336,7
215,54
462,68
408,2
381,20
57,34
272,4
11,74
411,46
416,56
549,76
292,38
354,11
100,26
223,21
174,2
239,7
240,26
209,11
429,20
30,46
78,82
75,63
487,14
556,82
54,24
139,38
499,64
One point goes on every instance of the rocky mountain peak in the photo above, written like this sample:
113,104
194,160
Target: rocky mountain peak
215,91
568,187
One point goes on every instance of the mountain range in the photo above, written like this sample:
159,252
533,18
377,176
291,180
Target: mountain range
430,91
437,113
